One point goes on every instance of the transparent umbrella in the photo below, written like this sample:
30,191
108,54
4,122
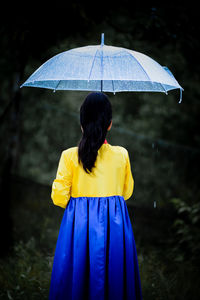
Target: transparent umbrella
103,68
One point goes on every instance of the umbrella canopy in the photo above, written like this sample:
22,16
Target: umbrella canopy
103,68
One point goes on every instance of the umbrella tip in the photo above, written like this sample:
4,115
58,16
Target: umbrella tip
102,39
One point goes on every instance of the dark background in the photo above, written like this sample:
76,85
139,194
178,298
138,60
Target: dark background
161,135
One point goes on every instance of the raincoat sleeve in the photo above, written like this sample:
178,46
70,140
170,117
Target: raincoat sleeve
128,182
61,187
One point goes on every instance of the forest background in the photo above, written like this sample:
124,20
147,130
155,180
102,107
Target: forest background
161,135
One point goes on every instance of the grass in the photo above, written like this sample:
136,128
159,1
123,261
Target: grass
25,274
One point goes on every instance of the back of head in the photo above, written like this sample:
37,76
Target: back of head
95,118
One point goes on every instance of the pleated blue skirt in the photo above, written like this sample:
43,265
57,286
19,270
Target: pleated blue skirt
95,256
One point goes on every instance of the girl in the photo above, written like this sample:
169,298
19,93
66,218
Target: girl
95,256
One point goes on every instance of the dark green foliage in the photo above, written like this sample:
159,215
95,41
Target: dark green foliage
185,231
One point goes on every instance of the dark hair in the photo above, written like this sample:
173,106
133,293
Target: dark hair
95,118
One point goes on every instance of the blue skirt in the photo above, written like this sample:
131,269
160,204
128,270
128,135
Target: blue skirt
95,256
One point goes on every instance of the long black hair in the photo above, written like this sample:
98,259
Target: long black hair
95,118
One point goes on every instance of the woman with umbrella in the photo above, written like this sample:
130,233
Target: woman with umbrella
95,256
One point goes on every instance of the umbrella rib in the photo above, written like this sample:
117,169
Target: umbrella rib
146,72
111,75
163,88
140,65
57,86
93,64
